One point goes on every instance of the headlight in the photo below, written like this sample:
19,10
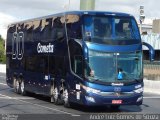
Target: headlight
90,90
139,90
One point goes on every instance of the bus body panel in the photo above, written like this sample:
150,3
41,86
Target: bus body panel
48,49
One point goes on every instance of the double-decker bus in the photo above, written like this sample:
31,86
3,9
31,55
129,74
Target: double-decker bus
86,57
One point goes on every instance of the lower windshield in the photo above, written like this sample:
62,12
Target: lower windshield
111,67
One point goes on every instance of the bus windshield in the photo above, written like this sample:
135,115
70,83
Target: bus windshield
112,67
111,30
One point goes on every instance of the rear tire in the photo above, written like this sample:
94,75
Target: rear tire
16,85
66,98
51,93
22,88
56,97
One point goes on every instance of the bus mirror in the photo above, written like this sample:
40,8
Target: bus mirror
151,51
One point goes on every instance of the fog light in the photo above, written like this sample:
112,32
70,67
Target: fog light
91,99
139,99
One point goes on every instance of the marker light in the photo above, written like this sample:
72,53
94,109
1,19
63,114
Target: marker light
91,99
139,90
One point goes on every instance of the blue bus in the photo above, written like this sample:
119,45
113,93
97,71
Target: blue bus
87,57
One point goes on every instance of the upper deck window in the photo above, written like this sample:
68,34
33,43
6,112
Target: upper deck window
73,24
111,30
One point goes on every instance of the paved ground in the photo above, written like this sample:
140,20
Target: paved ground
39,107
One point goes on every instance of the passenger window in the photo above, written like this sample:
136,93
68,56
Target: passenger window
46,29
52,65
60,66
30,64
29,30
58,29
36,30
73,27
10,32
78,66
76,57
37,64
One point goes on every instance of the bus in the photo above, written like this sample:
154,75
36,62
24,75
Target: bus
90,58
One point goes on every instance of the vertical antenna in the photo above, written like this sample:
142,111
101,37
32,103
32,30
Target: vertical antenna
67,6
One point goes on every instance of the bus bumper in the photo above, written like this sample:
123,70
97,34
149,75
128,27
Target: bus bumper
97,100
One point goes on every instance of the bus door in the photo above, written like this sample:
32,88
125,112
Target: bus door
76,60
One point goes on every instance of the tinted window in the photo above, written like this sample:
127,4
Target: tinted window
58,29
76,58
36,30
111,30
74,28
10,32
28,31
52,65
60,66
37,64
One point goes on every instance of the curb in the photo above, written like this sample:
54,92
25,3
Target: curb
2,68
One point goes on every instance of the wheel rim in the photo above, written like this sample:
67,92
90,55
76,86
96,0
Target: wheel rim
65,96
17,85
22,86
55,93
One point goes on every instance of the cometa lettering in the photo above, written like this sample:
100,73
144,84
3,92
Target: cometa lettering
45,48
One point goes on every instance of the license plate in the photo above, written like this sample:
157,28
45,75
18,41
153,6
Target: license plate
116,101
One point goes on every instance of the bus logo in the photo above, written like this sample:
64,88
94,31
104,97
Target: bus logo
17,45
117,89
45,48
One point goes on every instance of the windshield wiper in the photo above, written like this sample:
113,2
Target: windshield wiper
94,79
137,80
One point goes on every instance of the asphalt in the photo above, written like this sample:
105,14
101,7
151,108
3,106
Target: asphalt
36,107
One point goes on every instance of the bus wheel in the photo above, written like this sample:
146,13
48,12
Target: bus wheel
51,92
22,88
56,98
16,85
65,98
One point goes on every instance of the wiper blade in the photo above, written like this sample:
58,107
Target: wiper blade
96,79
137,80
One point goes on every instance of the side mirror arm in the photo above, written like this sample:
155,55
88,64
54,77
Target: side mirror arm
151,51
